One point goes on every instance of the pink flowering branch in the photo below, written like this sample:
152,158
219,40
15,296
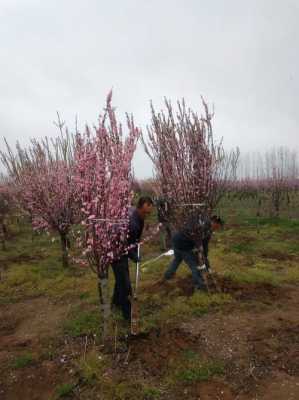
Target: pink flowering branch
103,176
190,168
44,185
6,204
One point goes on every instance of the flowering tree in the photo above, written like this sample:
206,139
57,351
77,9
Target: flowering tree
190,168
278,172
103,175
272,176
44,185
148,187
5,208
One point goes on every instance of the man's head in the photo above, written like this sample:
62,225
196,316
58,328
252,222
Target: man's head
144,206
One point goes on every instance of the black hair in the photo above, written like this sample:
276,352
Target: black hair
144,200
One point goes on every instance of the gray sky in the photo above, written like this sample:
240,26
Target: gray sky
65,55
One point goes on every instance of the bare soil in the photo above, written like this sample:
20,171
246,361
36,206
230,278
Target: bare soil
24,327
257,338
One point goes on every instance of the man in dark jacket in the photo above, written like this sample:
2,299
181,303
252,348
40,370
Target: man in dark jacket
122,288
194,235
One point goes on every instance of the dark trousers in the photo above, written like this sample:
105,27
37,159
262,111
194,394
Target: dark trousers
122,288
205,246
191,259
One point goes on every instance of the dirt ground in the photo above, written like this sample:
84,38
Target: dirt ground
257,337
25,326
261,347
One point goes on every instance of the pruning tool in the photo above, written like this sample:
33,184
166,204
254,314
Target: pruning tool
134,305
207,272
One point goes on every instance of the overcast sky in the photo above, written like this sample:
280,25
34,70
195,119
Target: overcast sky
242,56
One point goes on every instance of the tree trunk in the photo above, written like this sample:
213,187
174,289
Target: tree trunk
289,204
258,214
3,234
275,203
64,249
105,306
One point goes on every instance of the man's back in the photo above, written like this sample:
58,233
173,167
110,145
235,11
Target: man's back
136,224
196,229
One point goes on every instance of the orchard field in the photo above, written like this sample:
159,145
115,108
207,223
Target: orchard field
239,344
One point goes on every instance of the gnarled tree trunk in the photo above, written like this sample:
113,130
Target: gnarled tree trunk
105,306
64,249
3,234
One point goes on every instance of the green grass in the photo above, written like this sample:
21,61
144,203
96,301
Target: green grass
189,355
200,373
83,323
241,247
253,276
65,390
92,366
133,390
151,393
239,252
290,275
285,223
176,307
188,368
30,280
22,361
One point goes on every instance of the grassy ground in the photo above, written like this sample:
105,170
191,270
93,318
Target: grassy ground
239,343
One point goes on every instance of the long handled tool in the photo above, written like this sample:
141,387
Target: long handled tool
153,260
134,303
207,273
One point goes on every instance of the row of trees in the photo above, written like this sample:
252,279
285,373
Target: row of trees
6,203
281,161
83,182
272,176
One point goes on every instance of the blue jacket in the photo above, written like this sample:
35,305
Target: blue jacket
136,225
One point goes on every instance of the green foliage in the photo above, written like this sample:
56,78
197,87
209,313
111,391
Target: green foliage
190,355
22,361
46,278
65,390
285,223
84,323
151,393
253,276
189,368
200,372
92,366
200,303
245,247
182,307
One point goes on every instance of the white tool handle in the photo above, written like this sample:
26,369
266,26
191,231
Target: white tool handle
137,270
